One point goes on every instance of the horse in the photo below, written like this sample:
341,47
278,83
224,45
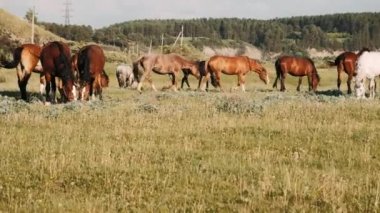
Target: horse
346,62
124,76
170,64
235,65
56,62
26,59
368,66
202,72
92,77
296,66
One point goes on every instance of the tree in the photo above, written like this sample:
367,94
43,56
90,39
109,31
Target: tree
29,16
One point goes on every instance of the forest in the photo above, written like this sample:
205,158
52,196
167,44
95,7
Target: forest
350,31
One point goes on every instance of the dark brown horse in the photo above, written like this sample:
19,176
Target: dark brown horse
346,62
56,62
91,61
171,64
237,65
202,73
299,67
26,60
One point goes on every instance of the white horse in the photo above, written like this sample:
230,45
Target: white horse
125,77
368,67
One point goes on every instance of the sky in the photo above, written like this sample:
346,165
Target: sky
102,13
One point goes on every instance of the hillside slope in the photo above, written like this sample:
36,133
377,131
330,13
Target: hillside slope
19,31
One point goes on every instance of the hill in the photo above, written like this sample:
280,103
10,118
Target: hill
15,31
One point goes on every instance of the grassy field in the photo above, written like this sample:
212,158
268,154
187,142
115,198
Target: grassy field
262,151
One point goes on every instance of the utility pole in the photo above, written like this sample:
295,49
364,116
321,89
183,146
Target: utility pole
33,15
150,46
162,43
181,36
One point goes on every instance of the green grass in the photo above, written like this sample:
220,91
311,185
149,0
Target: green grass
262,151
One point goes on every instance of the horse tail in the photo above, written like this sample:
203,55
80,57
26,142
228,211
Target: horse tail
65,73
16,59
337,60
214,82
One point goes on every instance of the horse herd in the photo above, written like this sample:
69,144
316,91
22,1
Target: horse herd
77,76
82,75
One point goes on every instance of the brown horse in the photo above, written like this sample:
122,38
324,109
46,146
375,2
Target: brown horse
56,62
237,65
296,66
26,60
171,64
346,62
92,77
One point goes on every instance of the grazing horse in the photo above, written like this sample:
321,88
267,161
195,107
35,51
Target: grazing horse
124,75
346,62
26,58
56,62
92,76
237,65
368,66
296,66
171,64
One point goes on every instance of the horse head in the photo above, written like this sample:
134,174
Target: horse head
259,69
104,79
315,79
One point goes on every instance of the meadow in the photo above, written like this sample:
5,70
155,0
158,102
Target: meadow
262,151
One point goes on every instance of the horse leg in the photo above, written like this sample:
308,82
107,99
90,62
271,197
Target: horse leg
149,79
282,81
241,82
97,88
23,78
54,88
47,89
372,86
42,84
309,79
275,82
174,80
349,84
144,75
202,82
217,76
339,81
299,84
185,79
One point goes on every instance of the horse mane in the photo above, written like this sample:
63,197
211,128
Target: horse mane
16,59
66,73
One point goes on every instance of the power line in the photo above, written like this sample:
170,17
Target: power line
67,11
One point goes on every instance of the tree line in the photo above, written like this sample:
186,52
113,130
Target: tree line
350,31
